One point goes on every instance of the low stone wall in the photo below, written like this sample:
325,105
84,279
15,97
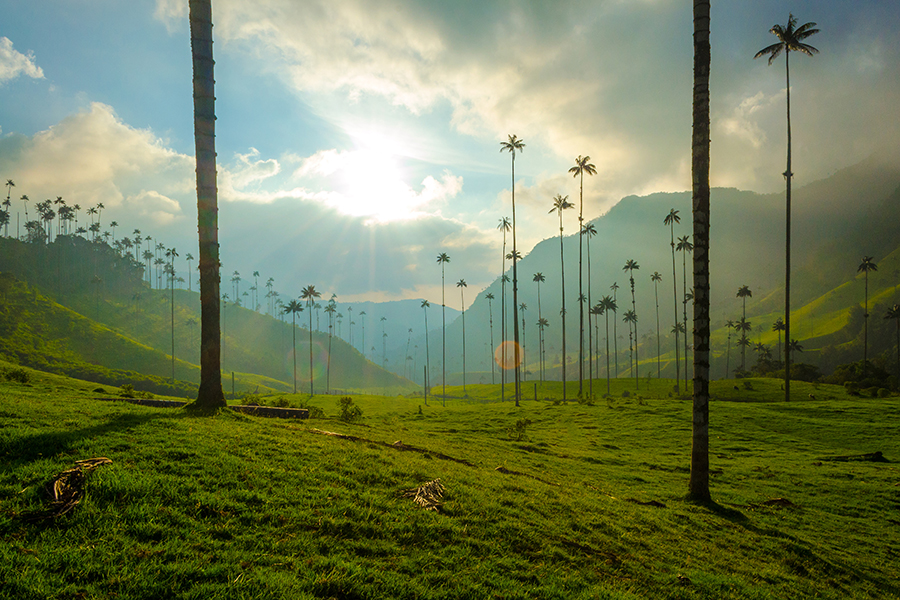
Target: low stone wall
257,411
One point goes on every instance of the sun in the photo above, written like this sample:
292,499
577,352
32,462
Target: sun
374,183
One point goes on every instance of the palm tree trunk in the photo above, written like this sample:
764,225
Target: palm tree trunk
590,337
675,303
787,240
516,348
866,327
443,342
309,308
699,479
580,290
562,271
658,347
210,395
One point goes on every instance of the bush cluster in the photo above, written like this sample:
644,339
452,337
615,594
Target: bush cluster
349,412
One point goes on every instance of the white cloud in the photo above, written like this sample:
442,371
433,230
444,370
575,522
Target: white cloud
14,63
92,157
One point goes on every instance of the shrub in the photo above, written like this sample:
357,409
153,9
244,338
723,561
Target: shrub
883,392
126,391
626,394
18,374
252,400
517,431
349,411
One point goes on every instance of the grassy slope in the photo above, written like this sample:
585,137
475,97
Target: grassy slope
238,507
41,333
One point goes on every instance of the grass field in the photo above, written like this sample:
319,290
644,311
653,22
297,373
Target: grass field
589,503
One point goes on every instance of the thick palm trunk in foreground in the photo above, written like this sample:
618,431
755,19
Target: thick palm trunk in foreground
699,481
210,395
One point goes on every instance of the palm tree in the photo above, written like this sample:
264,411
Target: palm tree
542,324
362,314
504,225
189,257
523,307
631,266
10,184
671,219
730,325
744,293
789,39
894,313
210,395
699,480
442,260
589,231
615,287
582,166
631,318
778,326
561,203
425,305
172,254
408,357
743,326
461,284
490,299
656,278
684,246
512,145
310,294
330,309
539,278
293,307
608,304
864,268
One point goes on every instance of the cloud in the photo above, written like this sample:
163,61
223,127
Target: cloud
14,63
92,156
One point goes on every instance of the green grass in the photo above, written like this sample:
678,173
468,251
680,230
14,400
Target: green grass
241,507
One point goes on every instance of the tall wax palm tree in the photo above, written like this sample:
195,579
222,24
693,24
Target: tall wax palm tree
542,324
698,487
362,315
894,313
684,246
504,225
442,260
561,203
596,312
790,39
671,219
10,184
588,231
330,309
523,307
656,278
256,290
631,266
408,357
743,293
383,343
865,266
582,166
490,299
425,305
539,278
461,284
172,255
310,294
609,305
729,324
210,395
293,307
778,326
615,288
743,327
512,145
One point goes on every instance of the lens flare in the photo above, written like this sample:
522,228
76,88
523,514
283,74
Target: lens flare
511,352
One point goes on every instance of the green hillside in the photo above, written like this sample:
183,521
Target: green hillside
85,303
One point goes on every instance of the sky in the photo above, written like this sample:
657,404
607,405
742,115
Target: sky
358,140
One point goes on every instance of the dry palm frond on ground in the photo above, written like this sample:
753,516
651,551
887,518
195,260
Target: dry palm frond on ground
428,495
66,489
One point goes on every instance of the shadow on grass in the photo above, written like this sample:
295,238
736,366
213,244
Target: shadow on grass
28,448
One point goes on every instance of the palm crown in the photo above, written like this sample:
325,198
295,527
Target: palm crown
789,39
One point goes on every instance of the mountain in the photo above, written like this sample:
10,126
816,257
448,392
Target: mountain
836,221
